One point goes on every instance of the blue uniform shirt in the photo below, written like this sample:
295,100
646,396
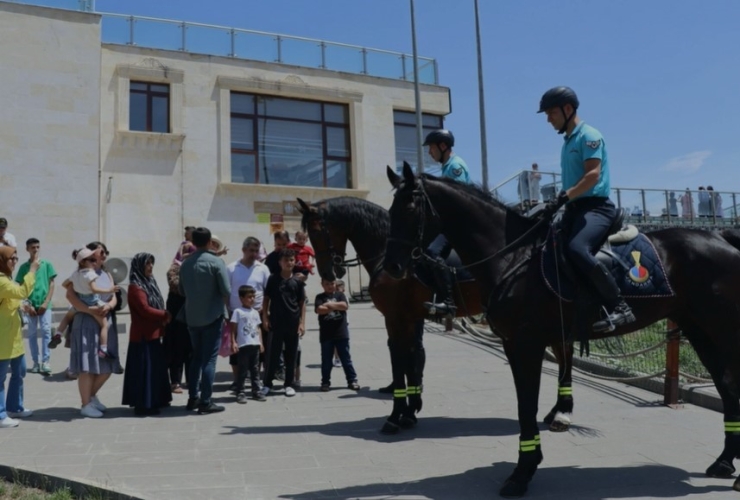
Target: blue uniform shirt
456,169
583,144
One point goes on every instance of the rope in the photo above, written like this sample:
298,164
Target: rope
630,354
619,379
695,378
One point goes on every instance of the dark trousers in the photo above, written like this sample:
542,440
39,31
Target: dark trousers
585,224
249,365
439,247
282,336
327,353
176,342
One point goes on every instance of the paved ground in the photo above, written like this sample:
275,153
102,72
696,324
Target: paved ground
327,445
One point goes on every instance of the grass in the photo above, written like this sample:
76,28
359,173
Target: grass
19,491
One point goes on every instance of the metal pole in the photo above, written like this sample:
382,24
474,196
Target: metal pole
481,104
417,97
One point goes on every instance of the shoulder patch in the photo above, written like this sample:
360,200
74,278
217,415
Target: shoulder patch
457,171
593,144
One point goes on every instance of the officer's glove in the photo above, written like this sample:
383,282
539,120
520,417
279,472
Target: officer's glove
554,205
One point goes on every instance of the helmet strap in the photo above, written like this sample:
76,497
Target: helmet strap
564,128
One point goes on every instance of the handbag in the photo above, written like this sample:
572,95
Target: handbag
225,349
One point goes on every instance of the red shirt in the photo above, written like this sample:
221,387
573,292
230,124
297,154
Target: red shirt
147,323
303,254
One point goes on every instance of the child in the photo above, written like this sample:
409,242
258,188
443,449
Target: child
304,254
83,283
340,289
331,306
284,314
246,343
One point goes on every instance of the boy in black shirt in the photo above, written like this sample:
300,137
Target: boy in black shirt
331,306
283,315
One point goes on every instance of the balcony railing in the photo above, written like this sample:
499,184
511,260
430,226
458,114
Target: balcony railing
253,45
643,206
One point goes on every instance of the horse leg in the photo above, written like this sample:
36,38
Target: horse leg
398,364
559,418
414,375
525,359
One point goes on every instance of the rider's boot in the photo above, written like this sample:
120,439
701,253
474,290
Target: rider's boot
443,287
619,312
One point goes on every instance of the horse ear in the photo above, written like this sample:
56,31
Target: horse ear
303,207
393,177
408,173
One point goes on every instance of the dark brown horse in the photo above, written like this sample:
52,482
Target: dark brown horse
702,267
330,225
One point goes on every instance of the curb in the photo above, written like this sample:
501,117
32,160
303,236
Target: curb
45,482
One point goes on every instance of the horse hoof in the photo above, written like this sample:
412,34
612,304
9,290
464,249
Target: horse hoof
390,429
736,485
549,418
560,423
407,422
722,469
513,489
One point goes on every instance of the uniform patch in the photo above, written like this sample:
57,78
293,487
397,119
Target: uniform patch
457,171
593,144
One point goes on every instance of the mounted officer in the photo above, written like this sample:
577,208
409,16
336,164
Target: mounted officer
440,143
588,211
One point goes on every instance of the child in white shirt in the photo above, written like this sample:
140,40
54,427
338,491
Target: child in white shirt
246,343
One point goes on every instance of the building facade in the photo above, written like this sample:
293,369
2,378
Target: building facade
127,144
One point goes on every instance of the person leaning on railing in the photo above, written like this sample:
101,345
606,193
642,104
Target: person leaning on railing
12,353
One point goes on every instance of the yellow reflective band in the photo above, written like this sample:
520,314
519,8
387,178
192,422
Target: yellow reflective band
732,426
565,391
413,389
527,448
531,442
399,393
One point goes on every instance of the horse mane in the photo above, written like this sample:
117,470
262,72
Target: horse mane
359,217
478,193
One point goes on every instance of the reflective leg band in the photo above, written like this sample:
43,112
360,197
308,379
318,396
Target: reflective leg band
530,445
732,427
413,389
399,393
565,391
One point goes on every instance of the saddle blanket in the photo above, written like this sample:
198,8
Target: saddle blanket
639,273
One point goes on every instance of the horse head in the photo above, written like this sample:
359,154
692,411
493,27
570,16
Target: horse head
329,243
411,214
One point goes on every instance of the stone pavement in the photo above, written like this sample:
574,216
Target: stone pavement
327,445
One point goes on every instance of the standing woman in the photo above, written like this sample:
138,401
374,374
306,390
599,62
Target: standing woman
146,385
176,342
12,354
93,371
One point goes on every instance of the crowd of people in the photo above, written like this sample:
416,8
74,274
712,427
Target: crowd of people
252,310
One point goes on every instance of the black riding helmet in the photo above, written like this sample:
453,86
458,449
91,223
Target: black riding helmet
441,135
558,97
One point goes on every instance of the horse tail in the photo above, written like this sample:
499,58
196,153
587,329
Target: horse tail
731,236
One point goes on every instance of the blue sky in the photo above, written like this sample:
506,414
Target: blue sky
660,79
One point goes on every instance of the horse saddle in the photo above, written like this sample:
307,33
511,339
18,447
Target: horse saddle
628,254
424,272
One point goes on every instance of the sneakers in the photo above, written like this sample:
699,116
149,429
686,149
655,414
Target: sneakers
241,398
90,411
289,392
45,369
97,404
258,396
325,387
210,408
354,386
192,404
20,414
36,368
55,341
8,422
337,363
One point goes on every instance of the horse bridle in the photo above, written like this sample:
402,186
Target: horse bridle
420,199
337,259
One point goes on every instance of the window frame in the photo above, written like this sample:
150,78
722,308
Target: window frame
149,110
425,129
256,115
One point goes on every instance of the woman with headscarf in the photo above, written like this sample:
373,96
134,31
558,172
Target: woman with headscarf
12,353
145,383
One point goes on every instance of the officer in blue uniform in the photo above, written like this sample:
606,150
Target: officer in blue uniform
440,143
588,211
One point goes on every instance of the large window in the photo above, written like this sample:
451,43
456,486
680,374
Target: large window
289,141
149,107
404,125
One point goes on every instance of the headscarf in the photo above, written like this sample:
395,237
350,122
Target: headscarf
6,253
149,285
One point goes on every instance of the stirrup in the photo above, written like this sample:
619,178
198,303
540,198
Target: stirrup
441,308
620,316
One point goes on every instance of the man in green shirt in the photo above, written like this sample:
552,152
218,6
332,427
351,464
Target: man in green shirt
204,282
38,307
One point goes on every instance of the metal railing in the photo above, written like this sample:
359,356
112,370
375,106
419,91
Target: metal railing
643,206
238,43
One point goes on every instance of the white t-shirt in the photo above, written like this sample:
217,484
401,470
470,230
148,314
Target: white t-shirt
247,326
255,276
81,280
10,239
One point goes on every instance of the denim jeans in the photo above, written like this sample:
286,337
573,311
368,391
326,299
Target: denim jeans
14,401
39,324
327,355
205,341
